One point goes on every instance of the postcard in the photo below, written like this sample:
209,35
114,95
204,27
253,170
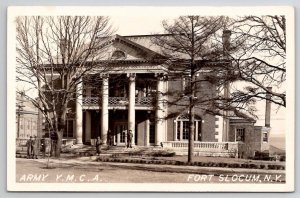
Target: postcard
151,99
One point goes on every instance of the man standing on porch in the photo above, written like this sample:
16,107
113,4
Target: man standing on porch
129,139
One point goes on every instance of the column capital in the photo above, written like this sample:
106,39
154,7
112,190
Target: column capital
131,76
161,76
104,75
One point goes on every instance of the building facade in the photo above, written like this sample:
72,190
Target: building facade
134,94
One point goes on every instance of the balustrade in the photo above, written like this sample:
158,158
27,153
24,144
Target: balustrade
118,101
202,145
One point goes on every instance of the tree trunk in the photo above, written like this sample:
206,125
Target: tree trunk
60,130
58,143
191,132
191,118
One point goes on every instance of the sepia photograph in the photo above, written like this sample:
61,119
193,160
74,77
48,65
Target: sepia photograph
120,99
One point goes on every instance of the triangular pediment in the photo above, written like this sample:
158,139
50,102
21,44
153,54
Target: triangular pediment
125,49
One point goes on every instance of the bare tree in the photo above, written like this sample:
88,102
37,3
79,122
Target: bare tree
259,57
53,55
187,46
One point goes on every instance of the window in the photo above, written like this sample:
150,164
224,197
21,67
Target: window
21,124
265,137
123,136
240,135
69,127
183,128
178,130
118,54
185,85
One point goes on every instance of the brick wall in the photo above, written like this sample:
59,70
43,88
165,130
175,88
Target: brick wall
204,90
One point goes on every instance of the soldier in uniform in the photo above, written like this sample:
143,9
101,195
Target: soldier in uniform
98,145
109,137
35,147
129,139
29,148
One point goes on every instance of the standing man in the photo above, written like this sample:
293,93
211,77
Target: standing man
98,145
29,147
109,137
35,147
129,139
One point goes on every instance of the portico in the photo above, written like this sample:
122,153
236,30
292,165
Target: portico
117,106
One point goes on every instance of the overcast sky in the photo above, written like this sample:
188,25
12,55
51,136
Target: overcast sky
131,25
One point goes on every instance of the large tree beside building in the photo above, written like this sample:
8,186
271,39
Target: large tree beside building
187,46
250,54
53,55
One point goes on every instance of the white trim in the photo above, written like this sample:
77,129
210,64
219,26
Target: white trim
181,129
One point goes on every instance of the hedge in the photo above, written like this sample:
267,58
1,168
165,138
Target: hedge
202,164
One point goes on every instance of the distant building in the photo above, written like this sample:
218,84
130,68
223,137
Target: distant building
26,118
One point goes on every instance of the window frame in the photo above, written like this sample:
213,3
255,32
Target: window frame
263,137
179,125
66,131
242,132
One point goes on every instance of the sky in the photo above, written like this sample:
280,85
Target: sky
131,25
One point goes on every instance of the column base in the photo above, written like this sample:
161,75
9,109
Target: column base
79,142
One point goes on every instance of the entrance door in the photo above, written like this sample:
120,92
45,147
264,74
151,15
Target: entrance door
119,130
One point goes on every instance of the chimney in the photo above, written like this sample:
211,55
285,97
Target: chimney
268,108
226,43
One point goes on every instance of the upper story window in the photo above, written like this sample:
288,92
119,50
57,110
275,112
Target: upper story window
118,54
185,85
240,134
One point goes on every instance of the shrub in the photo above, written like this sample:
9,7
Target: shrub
173,162
253,166
214,164
262,166
271,167
222,164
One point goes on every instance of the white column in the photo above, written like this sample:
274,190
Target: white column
181,131
147,132
196,130
104,112
175,130
159,124
79,113
131,106
88,125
